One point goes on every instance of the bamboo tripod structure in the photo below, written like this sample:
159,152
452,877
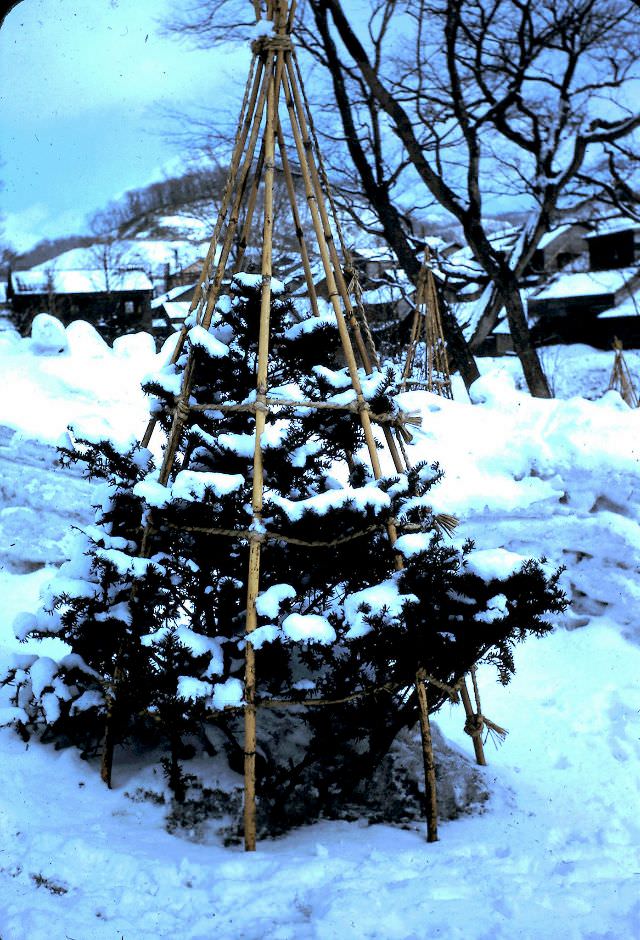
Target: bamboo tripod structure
274,77
620,379
427,347
274,88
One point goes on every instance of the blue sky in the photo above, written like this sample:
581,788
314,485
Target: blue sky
80,85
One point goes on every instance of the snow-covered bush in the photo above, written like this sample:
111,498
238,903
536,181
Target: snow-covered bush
152,603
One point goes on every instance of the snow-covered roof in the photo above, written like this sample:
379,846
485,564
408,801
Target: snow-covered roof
464,264
550,236
177,310
385,294
587,284
171,295
151,254
469,313
612,226
629,307
93,281
182,221
504,239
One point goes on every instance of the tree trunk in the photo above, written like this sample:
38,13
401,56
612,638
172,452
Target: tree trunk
534,376
377,192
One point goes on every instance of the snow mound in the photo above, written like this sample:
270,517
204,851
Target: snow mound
84,340
48,335
141,346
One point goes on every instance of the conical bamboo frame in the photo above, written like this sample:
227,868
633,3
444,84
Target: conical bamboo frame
273,76
620,379
427,329
274,73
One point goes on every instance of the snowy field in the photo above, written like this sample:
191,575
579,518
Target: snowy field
554,853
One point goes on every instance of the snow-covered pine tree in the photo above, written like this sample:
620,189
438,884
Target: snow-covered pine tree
156,631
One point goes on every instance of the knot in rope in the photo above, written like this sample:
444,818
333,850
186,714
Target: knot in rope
182,411
474,725
254,535
274,43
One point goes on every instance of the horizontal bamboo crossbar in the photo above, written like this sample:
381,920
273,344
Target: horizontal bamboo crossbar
451,691
399,420
443,521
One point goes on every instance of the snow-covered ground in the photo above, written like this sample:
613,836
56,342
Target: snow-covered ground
554,854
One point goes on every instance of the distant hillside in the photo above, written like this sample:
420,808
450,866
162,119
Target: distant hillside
170,223
180,209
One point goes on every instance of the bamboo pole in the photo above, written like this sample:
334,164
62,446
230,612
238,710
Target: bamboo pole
300,121
214,286
334,294
322,179
250,129
304,254
324,217
337,289
245,122
251,206
253,580
241,138
431,800
478,747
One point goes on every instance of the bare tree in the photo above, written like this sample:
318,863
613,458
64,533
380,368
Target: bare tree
6,6
478,104
495,98
364,178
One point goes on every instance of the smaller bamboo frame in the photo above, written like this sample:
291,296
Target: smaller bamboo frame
621,380
427,331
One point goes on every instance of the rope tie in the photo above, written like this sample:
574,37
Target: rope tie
403,421
450,690
183,411
474,725
274,43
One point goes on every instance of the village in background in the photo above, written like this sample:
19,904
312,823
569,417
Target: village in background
139,270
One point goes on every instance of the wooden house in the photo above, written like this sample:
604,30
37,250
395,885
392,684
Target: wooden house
183,277
115,302
169,311
557,249
614,244
588,307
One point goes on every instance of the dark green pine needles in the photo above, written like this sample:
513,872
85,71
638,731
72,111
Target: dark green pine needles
156,642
